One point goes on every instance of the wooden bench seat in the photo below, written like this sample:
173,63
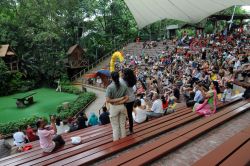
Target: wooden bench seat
103,139
150,152
95,154
234,151
86,136
66,136
88,145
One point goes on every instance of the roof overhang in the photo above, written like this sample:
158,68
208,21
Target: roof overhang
147,12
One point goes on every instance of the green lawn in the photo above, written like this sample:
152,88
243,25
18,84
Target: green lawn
46,102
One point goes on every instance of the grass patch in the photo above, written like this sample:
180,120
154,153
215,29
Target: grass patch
46,102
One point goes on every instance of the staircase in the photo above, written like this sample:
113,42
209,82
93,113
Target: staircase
131,49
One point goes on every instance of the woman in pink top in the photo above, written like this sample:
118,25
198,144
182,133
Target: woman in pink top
49,141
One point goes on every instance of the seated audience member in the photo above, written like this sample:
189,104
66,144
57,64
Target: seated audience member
171,105
164,103
139,113
19,139
58,121
93,120
227,93
190,100
143,102
198,95
156,109
104,117
5,147
48,139
31,134
176,94
81,121
208,107
73,126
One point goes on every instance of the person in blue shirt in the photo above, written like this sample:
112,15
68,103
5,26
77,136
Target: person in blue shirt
197,76
198,95
93,120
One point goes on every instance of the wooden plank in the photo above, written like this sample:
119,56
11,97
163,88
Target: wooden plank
101,134
168,147
96,155
113,147
137,134
66,152
36,145
224,150
141,151
240,157
141,125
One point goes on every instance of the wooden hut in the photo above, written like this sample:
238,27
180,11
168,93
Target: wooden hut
75,57
9,57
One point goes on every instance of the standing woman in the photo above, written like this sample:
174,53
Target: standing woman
129,80
116,96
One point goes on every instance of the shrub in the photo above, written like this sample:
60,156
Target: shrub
11,127
75,106
70,89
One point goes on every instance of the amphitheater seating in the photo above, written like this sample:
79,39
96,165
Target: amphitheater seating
242,84
97,141
234,151
150,152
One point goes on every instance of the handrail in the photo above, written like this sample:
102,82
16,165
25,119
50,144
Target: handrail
91,66
99,111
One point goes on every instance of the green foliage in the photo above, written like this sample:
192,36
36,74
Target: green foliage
13,82
229,11
75,106
209,29
70,89
4,77
11,127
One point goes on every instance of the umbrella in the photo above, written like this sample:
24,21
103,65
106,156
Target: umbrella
104,72
92,75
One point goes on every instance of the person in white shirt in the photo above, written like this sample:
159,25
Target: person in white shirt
227,94
99,81
19,139
139,113
237,64
156,109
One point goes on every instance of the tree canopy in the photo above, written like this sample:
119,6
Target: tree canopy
41,31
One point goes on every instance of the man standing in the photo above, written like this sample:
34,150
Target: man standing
49,141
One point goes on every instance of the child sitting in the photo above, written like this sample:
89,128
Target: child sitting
139,113
171,106
227,94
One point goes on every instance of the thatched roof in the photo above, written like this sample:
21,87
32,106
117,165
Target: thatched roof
72,48
5,50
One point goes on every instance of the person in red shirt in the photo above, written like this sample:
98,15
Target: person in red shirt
31,134
164,103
